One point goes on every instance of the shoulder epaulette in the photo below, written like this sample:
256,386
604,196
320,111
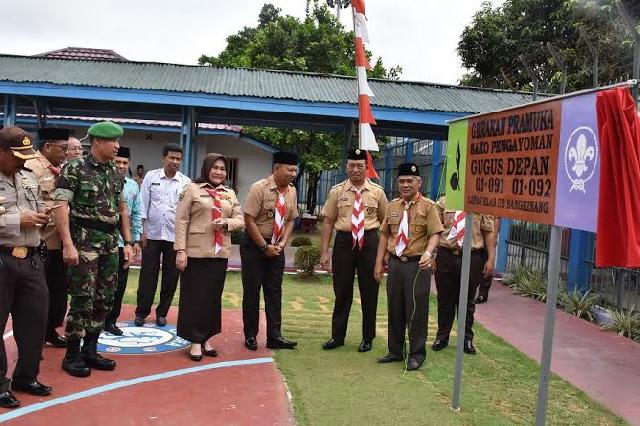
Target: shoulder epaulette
376,185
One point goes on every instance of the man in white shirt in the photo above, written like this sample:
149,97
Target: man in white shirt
159,195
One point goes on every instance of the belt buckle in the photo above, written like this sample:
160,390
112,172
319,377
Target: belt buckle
456,252
19,252
404,258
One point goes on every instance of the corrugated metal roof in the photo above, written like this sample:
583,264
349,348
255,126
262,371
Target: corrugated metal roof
255,83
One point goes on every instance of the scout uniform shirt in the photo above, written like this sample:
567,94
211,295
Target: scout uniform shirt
261,203
424,221
41,168
481,223
93,190
18,194
194,230
339,205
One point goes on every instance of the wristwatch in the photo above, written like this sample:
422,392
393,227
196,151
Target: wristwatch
128,243
264,247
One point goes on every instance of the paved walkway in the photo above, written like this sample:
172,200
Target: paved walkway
602,364
239,387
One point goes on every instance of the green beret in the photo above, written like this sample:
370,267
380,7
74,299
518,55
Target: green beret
106,130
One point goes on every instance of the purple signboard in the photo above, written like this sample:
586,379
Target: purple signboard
578,175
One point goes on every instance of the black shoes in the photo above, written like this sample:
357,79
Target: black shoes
480,299
251,344
139,321
365,346
389,358
55,340
91,356
211,352
161,321
8,400
113,329
332,344
281,343
413,364
194,357
72,362
34,388
468,347
440,344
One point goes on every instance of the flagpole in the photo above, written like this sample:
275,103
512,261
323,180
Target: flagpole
355,62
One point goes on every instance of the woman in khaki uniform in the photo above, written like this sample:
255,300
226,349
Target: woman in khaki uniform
207,212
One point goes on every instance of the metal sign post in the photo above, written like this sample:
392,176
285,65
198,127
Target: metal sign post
553,274
462,308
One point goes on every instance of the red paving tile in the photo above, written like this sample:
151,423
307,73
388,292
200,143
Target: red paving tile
246,394
602,364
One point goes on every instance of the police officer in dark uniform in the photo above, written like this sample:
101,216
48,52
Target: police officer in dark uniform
269,212
23,289
354,208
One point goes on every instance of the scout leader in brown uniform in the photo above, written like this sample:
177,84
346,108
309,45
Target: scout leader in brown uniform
355,208
207,212
269,211
46,166
410,234
449,268
23,289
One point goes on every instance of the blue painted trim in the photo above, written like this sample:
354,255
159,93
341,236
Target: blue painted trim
578,274
186,140
435,169
388,170
408,151
152,128
243,103
501,257
9,117
9,415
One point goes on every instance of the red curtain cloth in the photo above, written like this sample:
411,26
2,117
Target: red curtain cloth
618,232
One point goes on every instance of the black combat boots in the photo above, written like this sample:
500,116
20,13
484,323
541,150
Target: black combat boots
91,356
72,362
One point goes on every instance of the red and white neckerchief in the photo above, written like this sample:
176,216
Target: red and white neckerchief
357,219
279,216
402,239
216,213
457,227
54,170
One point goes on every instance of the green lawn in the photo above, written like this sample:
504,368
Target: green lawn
346,387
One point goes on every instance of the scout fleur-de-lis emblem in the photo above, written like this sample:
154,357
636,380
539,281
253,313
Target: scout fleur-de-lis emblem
581,157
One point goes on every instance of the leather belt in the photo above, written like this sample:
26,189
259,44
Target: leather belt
405,259
18,252
458,252
96,225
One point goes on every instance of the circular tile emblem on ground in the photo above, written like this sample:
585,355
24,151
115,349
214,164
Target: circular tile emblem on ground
149,339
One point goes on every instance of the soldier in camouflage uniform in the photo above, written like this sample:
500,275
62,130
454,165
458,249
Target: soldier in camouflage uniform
91,187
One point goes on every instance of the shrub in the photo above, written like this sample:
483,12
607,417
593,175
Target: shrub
578,304
528,282
625,323
307,257
301,241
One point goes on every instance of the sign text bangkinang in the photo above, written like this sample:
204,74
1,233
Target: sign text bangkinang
526,163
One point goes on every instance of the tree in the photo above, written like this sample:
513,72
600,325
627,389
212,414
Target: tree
319,43
489,47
